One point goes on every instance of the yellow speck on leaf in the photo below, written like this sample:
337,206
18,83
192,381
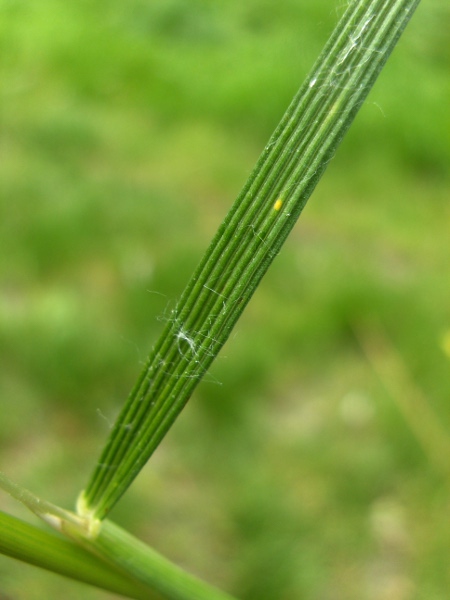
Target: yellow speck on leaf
278,204
446,343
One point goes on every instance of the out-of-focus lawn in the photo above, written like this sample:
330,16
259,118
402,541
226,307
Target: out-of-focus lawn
311,463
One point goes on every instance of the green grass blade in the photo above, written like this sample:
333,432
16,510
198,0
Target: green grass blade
248,240
32,545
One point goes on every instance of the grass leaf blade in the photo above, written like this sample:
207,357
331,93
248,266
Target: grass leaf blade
248,240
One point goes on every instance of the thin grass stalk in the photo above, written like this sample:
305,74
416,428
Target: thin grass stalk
35,546
107,556
248,240
126,553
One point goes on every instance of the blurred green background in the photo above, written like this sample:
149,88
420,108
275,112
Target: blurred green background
312,462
